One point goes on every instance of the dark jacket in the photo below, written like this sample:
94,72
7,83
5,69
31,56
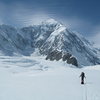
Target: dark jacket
82,75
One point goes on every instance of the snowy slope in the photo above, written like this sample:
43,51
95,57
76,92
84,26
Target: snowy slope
46,80
50,35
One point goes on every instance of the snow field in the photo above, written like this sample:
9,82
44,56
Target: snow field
33,78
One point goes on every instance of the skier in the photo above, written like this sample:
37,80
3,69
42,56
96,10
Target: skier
82,77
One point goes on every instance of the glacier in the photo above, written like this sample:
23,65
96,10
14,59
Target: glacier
34,78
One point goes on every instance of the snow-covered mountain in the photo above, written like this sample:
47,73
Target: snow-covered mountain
48,36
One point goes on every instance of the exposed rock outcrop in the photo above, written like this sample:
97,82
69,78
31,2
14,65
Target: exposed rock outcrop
57,55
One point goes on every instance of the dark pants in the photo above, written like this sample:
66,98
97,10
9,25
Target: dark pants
82,80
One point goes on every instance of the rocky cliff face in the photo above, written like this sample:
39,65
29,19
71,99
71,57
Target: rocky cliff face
46,37
59,55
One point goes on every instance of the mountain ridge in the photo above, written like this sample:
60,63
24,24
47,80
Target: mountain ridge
48,36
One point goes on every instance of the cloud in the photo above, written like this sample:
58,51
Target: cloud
2,10
28,17
80,25
20,14
1,22
96,36
75,22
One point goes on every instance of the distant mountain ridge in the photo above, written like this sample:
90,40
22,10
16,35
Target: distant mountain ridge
48,36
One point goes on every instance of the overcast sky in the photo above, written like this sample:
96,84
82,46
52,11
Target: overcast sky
82,16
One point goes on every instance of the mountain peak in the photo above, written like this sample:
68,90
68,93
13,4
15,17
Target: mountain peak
50,35
50,21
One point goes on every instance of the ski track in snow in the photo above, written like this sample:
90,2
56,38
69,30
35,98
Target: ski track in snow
33,78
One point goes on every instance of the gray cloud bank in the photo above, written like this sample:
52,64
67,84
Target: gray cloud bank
20,15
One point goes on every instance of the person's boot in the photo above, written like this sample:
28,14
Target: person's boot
82,82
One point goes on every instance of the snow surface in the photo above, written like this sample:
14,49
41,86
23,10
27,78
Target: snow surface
33,78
